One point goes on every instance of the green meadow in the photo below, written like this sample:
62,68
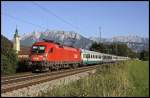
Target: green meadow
128,78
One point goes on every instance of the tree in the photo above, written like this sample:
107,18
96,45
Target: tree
144,55
113,48
8,57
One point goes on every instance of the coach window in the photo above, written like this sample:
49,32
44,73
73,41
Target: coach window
89,55
84,56
105,57
99,56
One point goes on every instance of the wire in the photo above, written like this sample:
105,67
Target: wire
50,12
21,20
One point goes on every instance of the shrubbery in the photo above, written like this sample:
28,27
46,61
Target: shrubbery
8,62
23,65
8,57
144,55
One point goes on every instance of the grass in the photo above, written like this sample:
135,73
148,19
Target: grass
128,78
139,78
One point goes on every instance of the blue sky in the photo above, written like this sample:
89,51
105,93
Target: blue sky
115,18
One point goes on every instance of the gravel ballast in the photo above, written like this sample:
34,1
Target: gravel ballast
36,90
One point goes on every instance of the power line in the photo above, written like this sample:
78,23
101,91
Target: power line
52,13
58,17
21,20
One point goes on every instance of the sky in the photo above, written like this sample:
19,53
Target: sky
115,18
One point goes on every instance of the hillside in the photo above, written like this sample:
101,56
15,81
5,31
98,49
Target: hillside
5,43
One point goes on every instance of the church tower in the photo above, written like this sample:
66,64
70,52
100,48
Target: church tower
16,41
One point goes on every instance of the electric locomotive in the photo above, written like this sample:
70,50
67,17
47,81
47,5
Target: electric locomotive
49,55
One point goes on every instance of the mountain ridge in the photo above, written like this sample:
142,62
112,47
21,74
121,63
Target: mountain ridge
71,38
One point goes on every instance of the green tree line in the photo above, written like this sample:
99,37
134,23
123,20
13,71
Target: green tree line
118,49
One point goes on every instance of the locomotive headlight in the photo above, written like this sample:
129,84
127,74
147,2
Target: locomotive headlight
44,57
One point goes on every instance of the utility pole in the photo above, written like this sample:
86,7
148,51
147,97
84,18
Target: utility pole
99,34
116,50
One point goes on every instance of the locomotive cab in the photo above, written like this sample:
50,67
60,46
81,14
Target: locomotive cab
38,56
37,53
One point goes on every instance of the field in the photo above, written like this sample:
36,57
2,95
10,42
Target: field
130,78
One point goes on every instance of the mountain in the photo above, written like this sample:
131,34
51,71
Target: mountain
134,42
74,39
69,38
5,43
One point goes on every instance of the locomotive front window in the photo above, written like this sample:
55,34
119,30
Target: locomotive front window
38,49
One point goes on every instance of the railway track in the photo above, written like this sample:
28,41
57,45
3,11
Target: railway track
14,83
16,76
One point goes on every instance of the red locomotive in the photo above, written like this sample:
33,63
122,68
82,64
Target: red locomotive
50,55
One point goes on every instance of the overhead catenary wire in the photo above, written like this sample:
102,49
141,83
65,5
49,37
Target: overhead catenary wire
47,11
52,13
21,20
58,17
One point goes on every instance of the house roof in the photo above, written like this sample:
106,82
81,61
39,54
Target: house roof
24,50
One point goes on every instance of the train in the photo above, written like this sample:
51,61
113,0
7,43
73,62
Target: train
49,55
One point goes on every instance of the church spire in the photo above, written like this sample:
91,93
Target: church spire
16,42
16,32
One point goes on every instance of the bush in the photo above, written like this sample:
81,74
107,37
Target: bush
8,57
8,66
144,55
23,65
